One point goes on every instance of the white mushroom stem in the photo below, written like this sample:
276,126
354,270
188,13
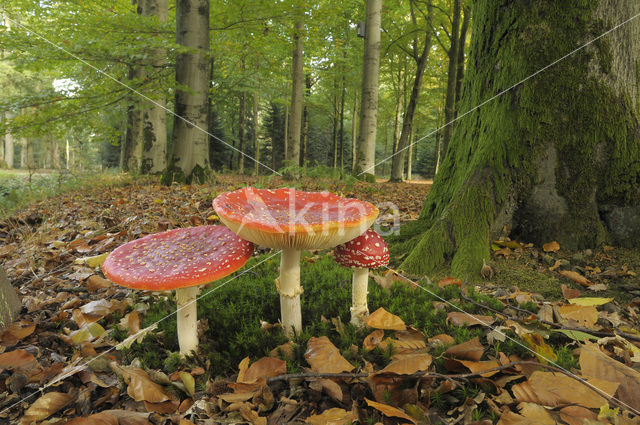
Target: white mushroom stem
187,319
290,290
359,309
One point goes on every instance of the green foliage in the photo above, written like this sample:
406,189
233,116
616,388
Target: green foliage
17,191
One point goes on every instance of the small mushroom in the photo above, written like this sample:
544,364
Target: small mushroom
293,221
366,251
180,259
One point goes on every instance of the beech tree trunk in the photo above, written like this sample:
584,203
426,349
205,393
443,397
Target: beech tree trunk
26,153
131,157
397,166
297,85
242,115
8,147
354,132
256,140
154,118
366,149
190,159
305,121
449,105
557,157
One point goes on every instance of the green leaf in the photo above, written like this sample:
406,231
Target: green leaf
577,335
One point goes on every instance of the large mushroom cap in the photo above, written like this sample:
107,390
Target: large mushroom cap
288,218
177,258
367,251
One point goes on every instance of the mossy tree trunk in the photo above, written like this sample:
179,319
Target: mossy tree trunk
154,118
189,162
548,156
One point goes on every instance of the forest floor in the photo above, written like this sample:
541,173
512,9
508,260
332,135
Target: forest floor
79,345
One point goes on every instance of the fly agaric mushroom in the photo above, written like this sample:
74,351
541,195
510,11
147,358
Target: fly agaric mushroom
180,259
293,221
366,251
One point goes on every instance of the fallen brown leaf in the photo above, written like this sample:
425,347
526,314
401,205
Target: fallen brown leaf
408,364
595,363
469,350
382,319
46,406
140,387
333,416
324,357
389,411
555,389
585,316
576,277
16,332
570,293
372,340
459,318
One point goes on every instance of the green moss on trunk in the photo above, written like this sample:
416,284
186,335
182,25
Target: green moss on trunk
546,153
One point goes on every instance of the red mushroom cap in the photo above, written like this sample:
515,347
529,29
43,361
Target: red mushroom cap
288,218
367,251
177,258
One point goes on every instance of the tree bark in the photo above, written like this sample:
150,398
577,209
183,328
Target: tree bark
10,303
190,160
241,124
449,105
305,122
8,146
343,93
460,61
366,149
154,119
256,139
555,158
354,132
397,166
26,153
334,134
410,157
295,114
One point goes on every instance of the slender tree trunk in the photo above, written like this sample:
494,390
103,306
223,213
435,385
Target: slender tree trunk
154,120
26,153
131,155
56,155
410,158
190,159
295,118
8,150
460,62
397,127
256,139
354,132
449,106
286,125
397,166
366,150
334,137
555,158
342,98
241,127
67,159
304,157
